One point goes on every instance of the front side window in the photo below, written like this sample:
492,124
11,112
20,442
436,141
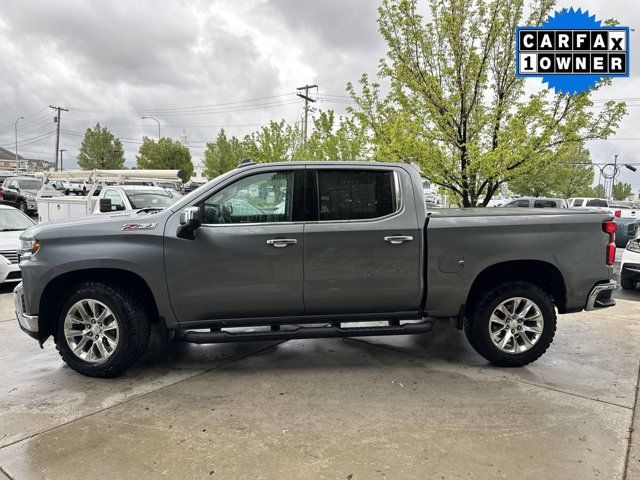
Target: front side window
115,197
518,203
355,194
260,198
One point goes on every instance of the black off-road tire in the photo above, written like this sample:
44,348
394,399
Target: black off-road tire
627,284
133,323
476,325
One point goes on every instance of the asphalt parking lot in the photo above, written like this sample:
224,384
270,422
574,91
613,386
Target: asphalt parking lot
397,408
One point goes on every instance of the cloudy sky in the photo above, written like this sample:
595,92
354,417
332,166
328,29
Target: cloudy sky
205,65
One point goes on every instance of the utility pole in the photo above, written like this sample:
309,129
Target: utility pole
16,129
61,150
307,99
57,120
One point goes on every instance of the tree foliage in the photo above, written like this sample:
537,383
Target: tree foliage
455,106
331,139
222,155
164,154
569,175
621,191
100,149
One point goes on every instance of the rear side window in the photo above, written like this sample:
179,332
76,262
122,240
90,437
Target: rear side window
545,204
355,194
596,202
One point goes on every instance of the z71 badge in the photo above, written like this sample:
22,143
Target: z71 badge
138,226
572,51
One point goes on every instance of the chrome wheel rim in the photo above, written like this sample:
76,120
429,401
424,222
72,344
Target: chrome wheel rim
516,325
91,331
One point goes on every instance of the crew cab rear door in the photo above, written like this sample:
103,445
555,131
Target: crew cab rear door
362,241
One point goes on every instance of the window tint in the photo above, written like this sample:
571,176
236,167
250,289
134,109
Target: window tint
544,204
261,198
355,194
597,202
577,203
29,184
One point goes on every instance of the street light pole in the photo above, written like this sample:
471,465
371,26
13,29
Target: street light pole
155,120
16,130
615,173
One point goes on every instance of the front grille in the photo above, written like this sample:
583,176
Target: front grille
11,255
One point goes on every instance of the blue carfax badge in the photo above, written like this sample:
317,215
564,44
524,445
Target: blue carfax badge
572,51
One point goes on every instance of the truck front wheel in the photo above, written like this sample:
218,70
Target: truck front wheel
512,325
102,330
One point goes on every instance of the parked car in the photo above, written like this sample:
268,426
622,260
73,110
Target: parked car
12,223
626,229
20,192
630,265
588,203
191,186
322,243
627,209
536,202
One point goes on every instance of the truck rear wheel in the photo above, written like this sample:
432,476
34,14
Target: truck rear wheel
512,325
102,330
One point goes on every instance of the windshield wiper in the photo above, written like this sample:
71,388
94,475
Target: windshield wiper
12,229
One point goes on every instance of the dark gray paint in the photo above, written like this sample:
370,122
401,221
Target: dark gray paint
229,273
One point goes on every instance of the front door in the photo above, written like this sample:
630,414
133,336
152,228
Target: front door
246,258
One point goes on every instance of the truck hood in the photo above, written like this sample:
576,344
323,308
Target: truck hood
92,225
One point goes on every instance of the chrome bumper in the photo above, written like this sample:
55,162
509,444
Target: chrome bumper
593,302
29,323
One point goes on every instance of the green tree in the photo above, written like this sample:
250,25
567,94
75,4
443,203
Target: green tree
570,175
277,142
222,155
164,154
100,149
331,139
621,191
455,106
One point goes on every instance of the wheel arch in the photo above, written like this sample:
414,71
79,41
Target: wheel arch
51,300
538,272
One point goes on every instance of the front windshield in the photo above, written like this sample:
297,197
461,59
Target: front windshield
30,184
11,219
150,199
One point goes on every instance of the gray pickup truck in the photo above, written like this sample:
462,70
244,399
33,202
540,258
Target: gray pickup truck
304,250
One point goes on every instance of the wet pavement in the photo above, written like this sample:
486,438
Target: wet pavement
418,407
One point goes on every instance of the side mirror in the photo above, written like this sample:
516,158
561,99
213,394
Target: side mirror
190,221
105,205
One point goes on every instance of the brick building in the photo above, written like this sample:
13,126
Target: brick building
8,162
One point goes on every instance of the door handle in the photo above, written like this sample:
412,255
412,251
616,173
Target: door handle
281,242
398,239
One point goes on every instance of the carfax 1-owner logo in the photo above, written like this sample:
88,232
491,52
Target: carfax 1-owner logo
572,51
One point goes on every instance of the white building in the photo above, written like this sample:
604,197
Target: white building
198,174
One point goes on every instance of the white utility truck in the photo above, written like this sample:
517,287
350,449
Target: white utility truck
109,191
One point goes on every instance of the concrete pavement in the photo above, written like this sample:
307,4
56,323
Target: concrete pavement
395,407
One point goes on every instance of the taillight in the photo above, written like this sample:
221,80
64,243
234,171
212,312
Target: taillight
609,227
617,213
611,253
